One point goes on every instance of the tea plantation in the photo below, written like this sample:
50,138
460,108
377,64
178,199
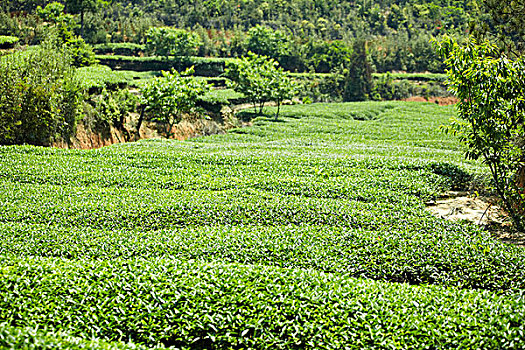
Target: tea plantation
307,232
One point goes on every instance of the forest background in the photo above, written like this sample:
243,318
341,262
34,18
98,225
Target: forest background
302,35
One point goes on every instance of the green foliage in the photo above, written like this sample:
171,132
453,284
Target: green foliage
223,96
81,7
388,90
265,41
260,80
327,56
167,98
39,95
204,66
269,236
357,80
63,25
400,31
491,92
189,305
8,42
81,52
165,41
53,13
426,77
123,49
506,23
404,52
113,106
95,78
37,338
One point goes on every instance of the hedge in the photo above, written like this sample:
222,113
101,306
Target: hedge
204,66
122,49
8,42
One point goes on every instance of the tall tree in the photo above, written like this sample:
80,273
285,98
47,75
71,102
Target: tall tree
358,80
81,7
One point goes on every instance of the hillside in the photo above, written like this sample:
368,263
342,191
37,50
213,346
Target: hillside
398,32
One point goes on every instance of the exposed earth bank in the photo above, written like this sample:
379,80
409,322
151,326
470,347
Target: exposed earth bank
89,136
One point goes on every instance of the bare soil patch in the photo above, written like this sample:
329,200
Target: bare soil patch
484,211
442,101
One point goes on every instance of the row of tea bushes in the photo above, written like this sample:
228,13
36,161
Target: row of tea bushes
223,306
426,252
253,239
204,66
36,338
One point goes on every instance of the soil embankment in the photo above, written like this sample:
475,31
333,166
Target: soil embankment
89,136
442,101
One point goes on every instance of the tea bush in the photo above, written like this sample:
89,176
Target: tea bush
190,305
8,42
307,232
204,66
122,49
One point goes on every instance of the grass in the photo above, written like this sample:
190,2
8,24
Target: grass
306,232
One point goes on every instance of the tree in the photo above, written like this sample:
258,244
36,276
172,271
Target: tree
166,41
167,98
81,7
491,92
327,56
265,41
53,14
358,79
281,87
260,79
245,77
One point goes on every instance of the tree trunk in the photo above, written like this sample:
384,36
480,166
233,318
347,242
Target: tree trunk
139,123
82,23
521,185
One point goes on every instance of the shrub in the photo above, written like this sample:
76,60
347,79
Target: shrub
165,41
113,106
81,52
39,95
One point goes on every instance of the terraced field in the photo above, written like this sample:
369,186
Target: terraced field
307,232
